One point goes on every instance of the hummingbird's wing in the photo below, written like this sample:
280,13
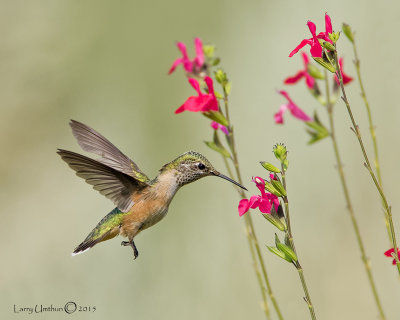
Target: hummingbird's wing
92,141
115,185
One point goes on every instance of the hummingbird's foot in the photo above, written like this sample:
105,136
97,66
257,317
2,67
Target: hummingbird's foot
132,244
135,250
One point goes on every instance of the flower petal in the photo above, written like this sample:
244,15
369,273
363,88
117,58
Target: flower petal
243,206
265,206
175,64
298,113
328,24
254,201
214,125
310,81
195,84
295,78
199,59
306,60
278,117
209,83
301,45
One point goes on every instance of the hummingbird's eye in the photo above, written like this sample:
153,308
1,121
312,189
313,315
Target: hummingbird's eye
201,166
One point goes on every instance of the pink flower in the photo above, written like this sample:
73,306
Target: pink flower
316,48
191,66
293,108
263,202
203,102
390,252
302,73
346,78
216,126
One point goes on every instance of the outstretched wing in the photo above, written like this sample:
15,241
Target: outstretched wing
115,185
92,141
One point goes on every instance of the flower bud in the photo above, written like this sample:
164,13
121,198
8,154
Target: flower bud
271,189
278,186
314,72
334,36
329,46
270,167
208,51
280,152
348,32
221,76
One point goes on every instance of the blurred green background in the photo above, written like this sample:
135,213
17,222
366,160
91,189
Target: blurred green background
105,63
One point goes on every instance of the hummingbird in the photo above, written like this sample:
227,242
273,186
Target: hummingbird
140,202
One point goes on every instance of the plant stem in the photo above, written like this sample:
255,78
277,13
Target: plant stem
289,235
251,236
371,125
367,164
349,206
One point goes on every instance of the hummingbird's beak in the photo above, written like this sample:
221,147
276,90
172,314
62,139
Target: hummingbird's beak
216,173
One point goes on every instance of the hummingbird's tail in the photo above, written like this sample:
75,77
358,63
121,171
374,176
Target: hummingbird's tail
106,229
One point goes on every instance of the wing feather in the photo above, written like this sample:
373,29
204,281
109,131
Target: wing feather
92,141
113,184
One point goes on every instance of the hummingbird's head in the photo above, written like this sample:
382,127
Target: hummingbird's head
192,166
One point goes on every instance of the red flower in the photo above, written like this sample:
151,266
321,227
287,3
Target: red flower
345,77
203,102
302,73
316,48
263,202
293,108
390,252
191,66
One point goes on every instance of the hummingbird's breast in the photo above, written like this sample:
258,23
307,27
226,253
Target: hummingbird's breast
150,206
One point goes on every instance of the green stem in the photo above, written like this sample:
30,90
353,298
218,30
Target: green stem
349,206
248,220
289,235
371,124
367,164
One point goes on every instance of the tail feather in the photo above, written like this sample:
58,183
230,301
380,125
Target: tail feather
106,229
89,243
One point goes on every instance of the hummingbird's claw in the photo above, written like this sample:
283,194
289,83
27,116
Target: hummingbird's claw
132,244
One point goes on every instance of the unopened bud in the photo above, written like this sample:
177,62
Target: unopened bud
314,72
278,186
271,189
348,32
279,254
220,76
270,167
334,36
208,51
329,46
280,152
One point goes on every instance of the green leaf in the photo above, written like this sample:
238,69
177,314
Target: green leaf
279,253
220,150
216,62
317,130
287,251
